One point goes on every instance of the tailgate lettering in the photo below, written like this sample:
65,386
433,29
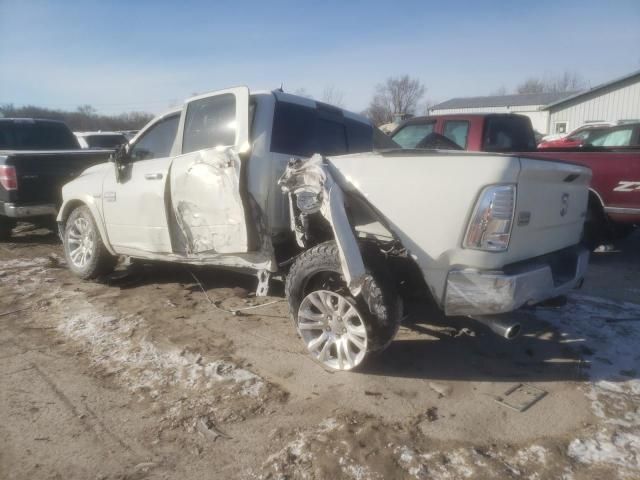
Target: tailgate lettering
626,186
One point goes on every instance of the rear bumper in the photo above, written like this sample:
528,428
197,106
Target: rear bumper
23,211
477,292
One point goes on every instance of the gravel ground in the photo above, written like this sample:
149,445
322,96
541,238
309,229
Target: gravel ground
141,377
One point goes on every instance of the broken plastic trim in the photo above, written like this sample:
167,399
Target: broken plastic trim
311,177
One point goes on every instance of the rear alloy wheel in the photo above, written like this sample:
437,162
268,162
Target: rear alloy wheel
333,330
339,330
86,255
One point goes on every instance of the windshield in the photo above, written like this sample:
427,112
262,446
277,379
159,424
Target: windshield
36,135
411,135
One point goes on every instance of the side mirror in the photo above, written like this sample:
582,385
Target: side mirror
120,158
121,154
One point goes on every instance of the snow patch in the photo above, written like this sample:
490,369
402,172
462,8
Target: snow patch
115,347
609,332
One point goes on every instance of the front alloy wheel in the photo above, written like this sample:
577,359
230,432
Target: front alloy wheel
81,242
86,255
333,329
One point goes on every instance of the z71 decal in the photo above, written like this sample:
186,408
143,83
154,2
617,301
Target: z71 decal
625,186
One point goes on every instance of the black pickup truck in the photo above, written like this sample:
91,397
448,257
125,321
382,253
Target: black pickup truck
37,157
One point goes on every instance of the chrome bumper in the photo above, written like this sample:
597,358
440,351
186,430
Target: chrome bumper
14,211
476,292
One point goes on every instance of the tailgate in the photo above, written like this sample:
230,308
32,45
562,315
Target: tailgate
551,207
41,175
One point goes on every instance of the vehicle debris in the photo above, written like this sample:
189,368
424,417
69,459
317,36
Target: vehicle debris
521,397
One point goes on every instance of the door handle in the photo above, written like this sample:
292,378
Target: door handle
153,176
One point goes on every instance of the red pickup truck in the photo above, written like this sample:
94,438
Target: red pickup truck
614,202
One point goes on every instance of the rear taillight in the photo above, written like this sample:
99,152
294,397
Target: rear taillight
490,226
8,178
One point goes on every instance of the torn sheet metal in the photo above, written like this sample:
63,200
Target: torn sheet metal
205,193
309,181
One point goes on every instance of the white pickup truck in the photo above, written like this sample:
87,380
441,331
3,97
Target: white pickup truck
360,225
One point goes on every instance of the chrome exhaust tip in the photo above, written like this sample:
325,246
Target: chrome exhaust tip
501,326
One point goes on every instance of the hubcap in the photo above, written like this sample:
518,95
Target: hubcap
80,242
332,329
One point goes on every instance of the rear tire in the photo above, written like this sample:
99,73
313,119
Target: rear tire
373,318
86,255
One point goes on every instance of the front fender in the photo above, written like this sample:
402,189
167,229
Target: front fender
71,203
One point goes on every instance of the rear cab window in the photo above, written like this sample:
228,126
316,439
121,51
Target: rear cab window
508,133
302,130
457,131
28,134
411,135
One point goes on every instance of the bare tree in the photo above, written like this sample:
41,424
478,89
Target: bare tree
333,96
566,82
427,104
569,82
84,118
531,85
398,95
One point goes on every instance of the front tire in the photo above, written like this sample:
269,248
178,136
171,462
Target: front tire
340,331
86,255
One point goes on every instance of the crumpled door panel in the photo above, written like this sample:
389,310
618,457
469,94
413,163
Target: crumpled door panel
205,195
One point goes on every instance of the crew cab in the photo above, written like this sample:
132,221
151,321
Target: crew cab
36,158
270,183
614,200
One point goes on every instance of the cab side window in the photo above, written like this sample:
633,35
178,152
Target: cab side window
157,141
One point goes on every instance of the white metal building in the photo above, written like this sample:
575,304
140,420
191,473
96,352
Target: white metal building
614,101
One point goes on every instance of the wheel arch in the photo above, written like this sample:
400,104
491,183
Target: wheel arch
595,200
71,204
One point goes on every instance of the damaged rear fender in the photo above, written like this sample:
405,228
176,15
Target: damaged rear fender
312,189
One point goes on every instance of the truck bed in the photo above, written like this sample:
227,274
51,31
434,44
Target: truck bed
41,174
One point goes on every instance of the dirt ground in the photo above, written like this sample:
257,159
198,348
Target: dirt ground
141,377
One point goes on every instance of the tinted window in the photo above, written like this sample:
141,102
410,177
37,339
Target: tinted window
457,131
157,141
508,134
36,135
210,122
411,135
105,141
300,130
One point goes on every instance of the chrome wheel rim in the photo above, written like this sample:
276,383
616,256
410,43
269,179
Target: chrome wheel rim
80,242
333,330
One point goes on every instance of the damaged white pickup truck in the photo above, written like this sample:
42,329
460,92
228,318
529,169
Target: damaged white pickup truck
359,228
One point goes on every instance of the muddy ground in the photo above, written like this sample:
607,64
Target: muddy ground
142,377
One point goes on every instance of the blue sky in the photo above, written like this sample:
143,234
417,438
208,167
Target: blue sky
148,55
